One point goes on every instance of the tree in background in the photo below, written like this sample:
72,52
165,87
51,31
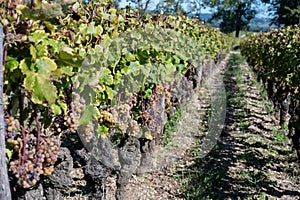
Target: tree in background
197,6
235,15
142,5
171,7
287,12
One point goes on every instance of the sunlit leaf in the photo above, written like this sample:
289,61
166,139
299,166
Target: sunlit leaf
56,109
32,52
42,89
11,64
45,66
38,36
102,131
89,114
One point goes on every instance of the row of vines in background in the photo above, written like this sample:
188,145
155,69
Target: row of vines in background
58,49
275,57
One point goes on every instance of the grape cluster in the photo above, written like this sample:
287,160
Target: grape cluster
107,118
124,122
78,104
134,128
70,121
12,127
86,132
65,122
168,102
122,115
38,159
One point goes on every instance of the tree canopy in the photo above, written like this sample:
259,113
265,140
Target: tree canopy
287,12
234,14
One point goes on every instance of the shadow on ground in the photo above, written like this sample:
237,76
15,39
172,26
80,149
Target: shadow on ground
239,168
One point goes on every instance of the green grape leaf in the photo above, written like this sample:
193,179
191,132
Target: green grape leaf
76,6
56,46
32,52
91,29
82,53
110,92
89,114
148,93
63,106
99,30
83,29
136,35
55,109
66,52
41,50
134,65
180,67
106,77
129,56
11,64
9,154
176,59
50,26
24,67
148,135
26,12
45,66
42,89
5,22
68,70
102,131
37,36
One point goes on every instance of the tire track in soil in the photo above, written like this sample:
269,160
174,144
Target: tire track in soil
252,160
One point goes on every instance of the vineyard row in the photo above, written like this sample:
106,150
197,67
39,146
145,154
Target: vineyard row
275,57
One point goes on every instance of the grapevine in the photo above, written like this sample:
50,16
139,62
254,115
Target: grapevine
274,56
57,93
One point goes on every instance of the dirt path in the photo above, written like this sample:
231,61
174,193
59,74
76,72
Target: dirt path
253,158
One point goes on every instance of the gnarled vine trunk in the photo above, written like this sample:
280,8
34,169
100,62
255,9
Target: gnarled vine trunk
4,182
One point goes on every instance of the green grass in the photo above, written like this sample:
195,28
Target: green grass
264,94
236,59
269,107
262,196
199,183
279,135
244,125
170,127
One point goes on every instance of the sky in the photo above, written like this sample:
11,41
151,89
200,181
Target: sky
123,3
261,13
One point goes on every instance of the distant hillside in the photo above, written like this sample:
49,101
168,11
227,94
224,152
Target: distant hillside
205,16
257,24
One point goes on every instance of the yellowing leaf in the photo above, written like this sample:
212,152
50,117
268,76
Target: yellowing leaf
24,67
42,89
32,52
8,154
148,135
41,50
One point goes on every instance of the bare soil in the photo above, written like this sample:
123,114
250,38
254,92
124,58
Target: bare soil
253,158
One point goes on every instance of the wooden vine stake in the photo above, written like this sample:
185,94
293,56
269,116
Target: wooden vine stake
4,182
